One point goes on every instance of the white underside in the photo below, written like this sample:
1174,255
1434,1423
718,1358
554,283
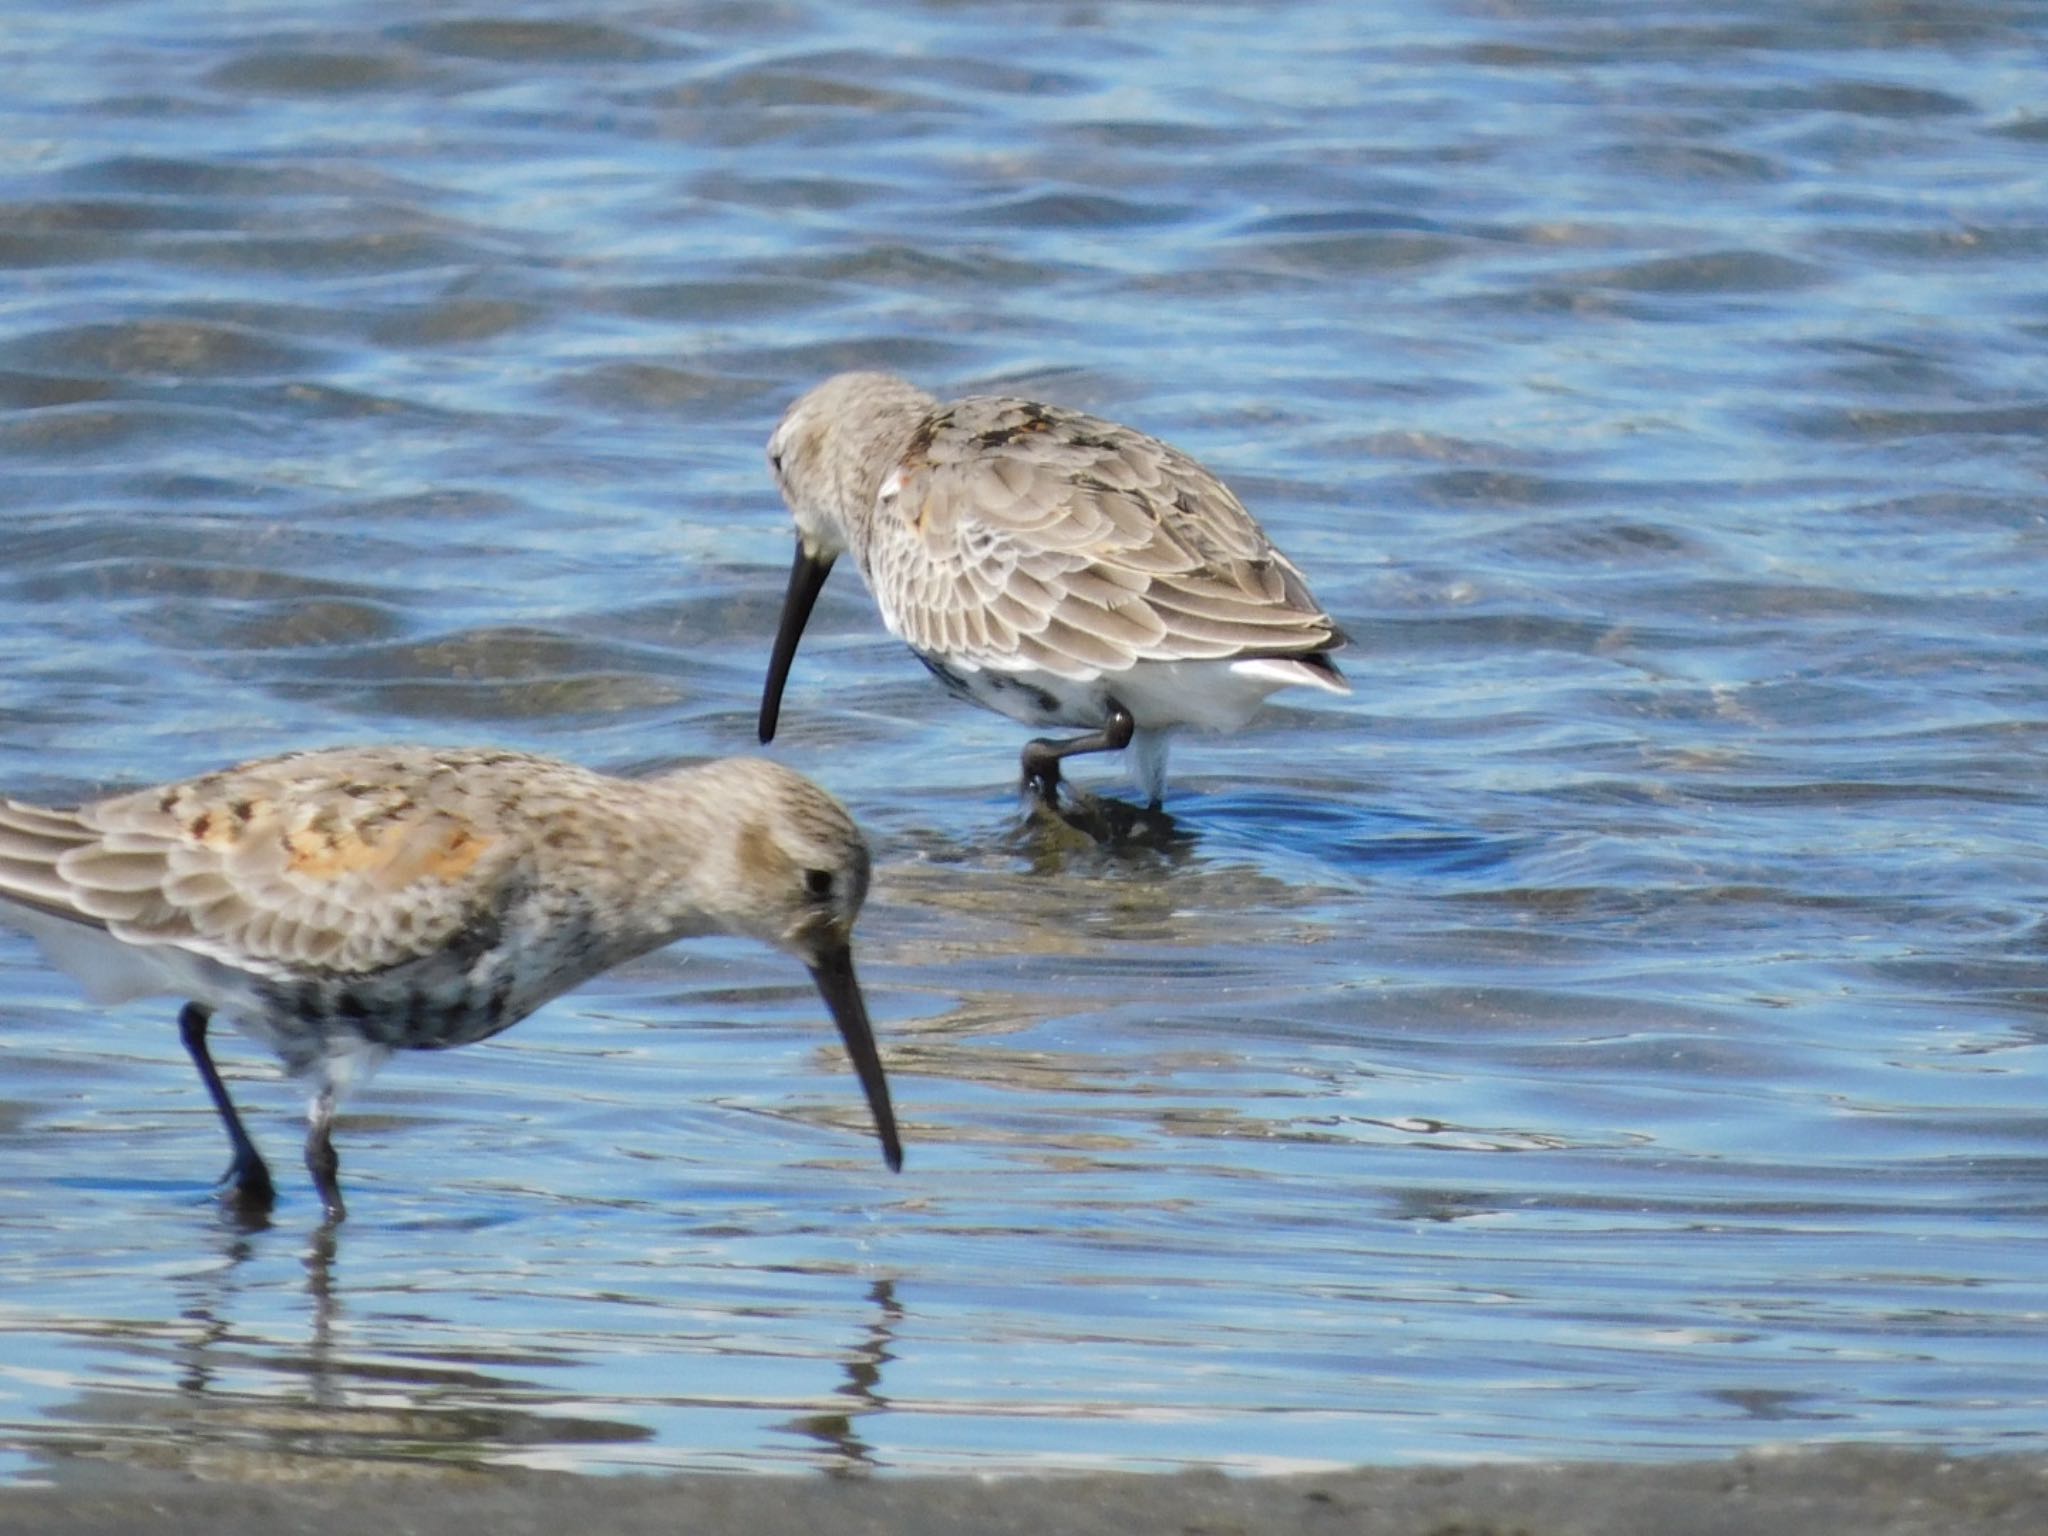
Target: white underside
1209,695
112,970
1162,696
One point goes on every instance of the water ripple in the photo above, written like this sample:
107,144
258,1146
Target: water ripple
1615,1030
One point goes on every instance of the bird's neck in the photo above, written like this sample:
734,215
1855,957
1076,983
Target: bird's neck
665,876
887,425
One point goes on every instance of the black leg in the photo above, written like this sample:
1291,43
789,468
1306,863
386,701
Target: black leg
322,1161
1042,757
248,1173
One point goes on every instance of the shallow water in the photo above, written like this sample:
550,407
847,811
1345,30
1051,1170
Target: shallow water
1616,1031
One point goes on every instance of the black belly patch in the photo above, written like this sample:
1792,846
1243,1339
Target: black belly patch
986,684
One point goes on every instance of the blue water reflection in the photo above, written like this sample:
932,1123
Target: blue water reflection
1614,1031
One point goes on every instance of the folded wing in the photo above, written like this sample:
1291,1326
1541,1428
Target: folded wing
1020,536
267,866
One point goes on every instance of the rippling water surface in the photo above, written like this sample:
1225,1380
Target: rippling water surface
1616,1030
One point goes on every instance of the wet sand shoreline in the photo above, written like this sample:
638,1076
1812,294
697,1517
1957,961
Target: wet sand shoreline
1867,1491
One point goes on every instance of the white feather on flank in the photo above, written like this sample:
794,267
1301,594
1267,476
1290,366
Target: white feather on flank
1209,695
1285,673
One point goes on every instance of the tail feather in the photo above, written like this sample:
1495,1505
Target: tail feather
32,841
43,821
36,885
37,898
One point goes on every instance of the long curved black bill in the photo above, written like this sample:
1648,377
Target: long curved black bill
806,579
834,975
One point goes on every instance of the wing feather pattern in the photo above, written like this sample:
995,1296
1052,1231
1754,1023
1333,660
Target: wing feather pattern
1015,535
305,860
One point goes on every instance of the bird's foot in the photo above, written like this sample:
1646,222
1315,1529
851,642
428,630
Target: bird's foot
246,1195
1082,819
1041,784
323,1162
247,1185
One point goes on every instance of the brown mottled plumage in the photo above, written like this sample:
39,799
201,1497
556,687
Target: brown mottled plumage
1053,566
343,904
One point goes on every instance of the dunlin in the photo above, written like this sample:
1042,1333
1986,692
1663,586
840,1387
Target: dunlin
341,905
1051,566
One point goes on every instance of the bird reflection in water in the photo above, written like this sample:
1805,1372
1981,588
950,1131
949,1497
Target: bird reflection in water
861,1392
248,1398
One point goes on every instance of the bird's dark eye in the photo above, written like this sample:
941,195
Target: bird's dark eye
818,882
